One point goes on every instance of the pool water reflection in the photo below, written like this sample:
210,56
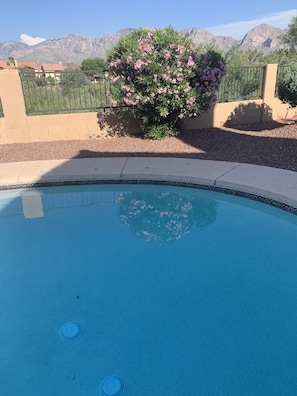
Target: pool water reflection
148,290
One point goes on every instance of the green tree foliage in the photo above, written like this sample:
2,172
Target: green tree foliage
287,86
281,57
159,78
210,47
73,79
243,74
240,83
11,61
94,64
290,37
240,57
28,73
94,68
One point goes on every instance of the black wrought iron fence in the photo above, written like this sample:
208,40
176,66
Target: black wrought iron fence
65,91
241,83
79,91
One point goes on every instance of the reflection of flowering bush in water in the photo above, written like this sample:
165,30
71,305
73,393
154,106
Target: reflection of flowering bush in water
164,217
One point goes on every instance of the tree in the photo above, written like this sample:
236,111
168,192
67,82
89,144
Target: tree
290,37
94,64
240,57
11,61
73,79
287,86
159,78
243,74
281,57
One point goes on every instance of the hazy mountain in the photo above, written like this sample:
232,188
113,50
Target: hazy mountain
200,36
264,37
8,47
73,48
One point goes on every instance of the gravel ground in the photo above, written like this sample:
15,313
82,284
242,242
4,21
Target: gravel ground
270,144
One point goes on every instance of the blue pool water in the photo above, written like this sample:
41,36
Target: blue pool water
142,290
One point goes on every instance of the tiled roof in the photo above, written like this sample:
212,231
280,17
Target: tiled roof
32,65
72,66
4,65
36,67
52,67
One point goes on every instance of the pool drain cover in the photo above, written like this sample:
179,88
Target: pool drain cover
70,331
112,386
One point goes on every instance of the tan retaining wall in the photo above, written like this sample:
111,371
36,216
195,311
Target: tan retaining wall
17,127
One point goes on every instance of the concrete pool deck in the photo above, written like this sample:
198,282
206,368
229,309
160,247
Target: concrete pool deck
270,183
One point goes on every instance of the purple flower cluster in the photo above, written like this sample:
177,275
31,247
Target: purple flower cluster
208,74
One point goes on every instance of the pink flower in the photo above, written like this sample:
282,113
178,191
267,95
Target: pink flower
162,90
167,55
190,61
129,102
138,64
113,102
190,100
145,47
180,48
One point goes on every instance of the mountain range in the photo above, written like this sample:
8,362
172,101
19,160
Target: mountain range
73,48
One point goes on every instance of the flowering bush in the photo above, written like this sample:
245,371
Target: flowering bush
159,78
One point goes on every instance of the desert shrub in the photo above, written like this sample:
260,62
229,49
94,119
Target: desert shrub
159,78
287,86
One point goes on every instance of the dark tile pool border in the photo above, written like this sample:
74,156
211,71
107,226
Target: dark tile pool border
255,197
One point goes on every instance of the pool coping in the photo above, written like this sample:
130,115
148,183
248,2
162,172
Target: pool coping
277,187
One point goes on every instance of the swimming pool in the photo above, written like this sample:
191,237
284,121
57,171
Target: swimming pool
146,290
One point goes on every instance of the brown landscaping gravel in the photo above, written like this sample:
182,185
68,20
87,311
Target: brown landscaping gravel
270,144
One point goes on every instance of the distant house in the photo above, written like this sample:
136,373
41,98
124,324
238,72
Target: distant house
5,66
52,69
28,65
72,66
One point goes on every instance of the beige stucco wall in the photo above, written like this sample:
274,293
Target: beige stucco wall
17,127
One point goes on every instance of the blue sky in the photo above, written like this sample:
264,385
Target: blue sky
31,21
